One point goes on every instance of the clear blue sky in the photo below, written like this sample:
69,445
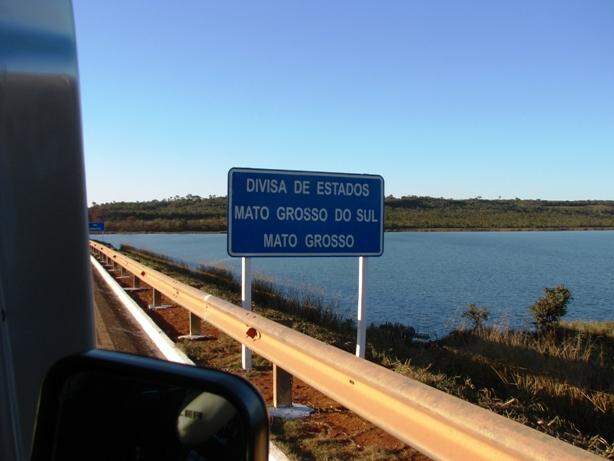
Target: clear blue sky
443,98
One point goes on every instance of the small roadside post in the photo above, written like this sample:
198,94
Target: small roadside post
281,213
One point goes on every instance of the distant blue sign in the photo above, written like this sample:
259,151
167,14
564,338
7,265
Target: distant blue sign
96,226
297,213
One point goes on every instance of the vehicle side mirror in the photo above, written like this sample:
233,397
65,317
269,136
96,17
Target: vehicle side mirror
108,405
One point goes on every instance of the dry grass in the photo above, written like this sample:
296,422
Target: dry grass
561,383
596,328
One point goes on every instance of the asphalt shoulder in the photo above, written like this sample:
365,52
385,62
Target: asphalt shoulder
115,328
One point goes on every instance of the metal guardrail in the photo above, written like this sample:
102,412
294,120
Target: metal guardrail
437,424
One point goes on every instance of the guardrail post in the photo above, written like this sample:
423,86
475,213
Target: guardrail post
246,303
195,324
156,301
282,387
155,297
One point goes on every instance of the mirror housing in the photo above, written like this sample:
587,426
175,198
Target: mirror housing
110,405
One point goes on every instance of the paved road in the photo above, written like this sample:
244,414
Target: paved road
115,328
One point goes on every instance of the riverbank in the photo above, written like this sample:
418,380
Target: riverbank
562,385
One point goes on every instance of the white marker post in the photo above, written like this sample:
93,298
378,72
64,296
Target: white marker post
361,324
246,302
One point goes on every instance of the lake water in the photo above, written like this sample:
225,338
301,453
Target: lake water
427,279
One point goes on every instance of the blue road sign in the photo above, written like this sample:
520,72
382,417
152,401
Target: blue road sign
96,226
299,213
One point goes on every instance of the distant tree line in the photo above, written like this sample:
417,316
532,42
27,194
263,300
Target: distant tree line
193,213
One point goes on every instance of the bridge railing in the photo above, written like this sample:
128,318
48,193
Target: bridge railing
437,424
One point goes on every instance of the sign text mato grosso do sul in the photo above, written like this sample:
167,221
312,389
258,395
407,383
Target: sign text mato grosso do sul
295,213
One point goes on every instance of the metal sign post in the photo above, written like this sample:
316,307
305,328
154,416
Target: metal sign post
361,323
246,303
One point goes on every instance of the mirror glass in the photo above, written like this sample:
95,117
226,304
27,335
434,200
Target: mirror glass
103,415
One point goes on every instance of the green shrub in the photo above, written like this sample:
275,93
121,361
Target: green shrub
550,308
477,315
